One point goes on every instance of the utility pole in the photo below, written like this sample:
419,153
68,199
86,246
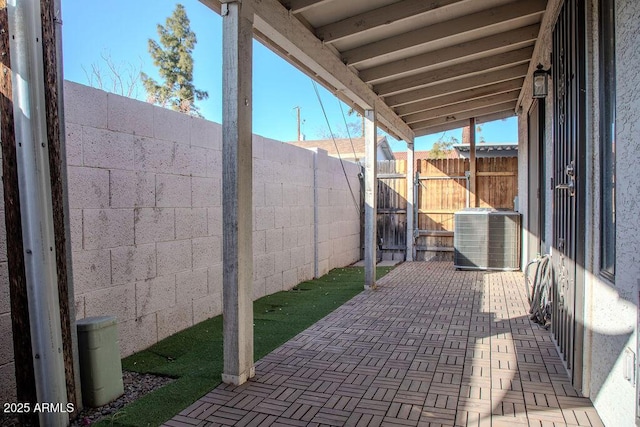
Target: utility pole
297,108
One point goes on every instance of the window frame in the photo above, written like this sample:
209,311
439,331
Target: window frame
607,102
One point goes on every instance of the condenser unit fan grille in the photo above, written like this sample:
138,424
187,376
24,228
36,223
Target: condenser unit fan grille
487,239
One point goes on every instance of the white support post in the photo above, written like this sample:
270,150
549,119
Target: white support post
316,216
370,194
410,201
237,199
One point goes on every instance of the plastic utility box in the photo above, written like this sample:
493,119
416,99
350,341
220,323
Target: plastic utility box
100,366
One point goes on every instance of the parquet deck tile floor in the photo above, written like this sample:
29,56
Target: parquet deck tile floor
431,346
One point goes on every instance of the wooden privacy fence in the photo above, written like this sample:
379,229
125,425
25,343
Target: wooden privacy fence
441,189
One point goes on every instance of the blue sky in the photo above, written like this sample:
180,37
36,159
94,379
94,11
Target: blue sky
120,29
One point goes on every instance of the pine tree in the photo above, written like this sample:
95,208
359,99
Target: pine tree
173,58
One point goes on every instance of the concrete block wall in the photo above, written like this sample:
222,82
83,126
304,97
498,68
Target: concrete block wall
139,214
291,237
338,212
145,197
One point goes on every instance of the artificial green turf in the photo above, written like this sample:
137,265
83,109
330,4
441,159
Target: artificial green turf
194,356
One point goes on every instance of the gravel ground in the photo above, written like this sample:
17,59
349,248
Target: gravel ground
135,386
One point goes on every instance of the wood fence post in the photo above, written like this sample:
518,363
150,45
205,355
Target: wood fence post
21,329
473,196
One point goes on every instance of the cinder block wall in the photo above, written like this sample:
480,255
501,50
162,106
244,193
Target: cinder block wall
145,193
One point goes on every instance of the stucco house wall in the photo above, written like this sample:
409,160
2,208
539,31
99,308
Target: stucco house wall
145,193
611,308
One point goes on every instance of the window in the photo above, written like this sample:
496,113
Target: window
607,139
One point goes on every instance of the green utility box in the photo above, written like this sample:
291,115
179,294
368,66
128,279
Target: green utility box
100,366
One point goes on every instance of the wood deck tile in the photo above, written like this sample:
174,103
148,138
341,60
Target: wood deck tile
432,346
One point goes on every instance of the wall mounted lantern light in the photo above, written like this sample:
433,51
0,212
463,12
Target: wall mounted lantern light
541,82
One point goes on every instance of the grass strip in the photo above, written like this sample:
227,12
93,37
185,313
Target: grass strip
194,356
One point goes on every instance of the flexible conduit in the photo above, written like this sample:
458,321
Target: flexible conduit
539,289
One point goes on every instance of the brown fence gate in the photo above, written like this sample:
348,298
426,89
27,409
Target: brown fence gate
442,188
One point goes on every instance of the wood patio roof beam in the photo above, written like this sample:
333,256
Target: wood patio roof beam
515,37
467,95
465,83
462,123
461,107
484,65
298,6
441,30
384,15
466,115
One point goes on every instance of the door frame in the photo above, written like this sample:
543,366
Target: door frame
536,176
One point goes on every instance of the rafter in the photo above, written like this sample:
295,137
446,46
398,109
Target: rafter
462,123
464,83
467,95
298,6
455,109
483,65
498,108
515,37
445,29
384,15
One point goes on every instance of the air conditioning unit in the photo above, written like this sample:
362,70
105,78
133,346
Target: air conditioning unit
486,239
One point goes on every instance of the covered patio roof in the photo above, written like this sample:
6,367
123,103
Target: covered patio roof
425,66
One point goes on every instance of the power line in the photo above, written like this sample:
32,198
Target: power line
315,88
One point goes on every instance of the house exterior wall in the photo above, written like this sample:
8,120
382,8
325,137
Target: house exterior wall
611,309
614,306
145,193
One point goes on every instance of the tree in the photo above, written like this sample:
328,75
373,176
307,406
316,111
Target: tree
352,111
120,78
346,131
173,58
442,147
